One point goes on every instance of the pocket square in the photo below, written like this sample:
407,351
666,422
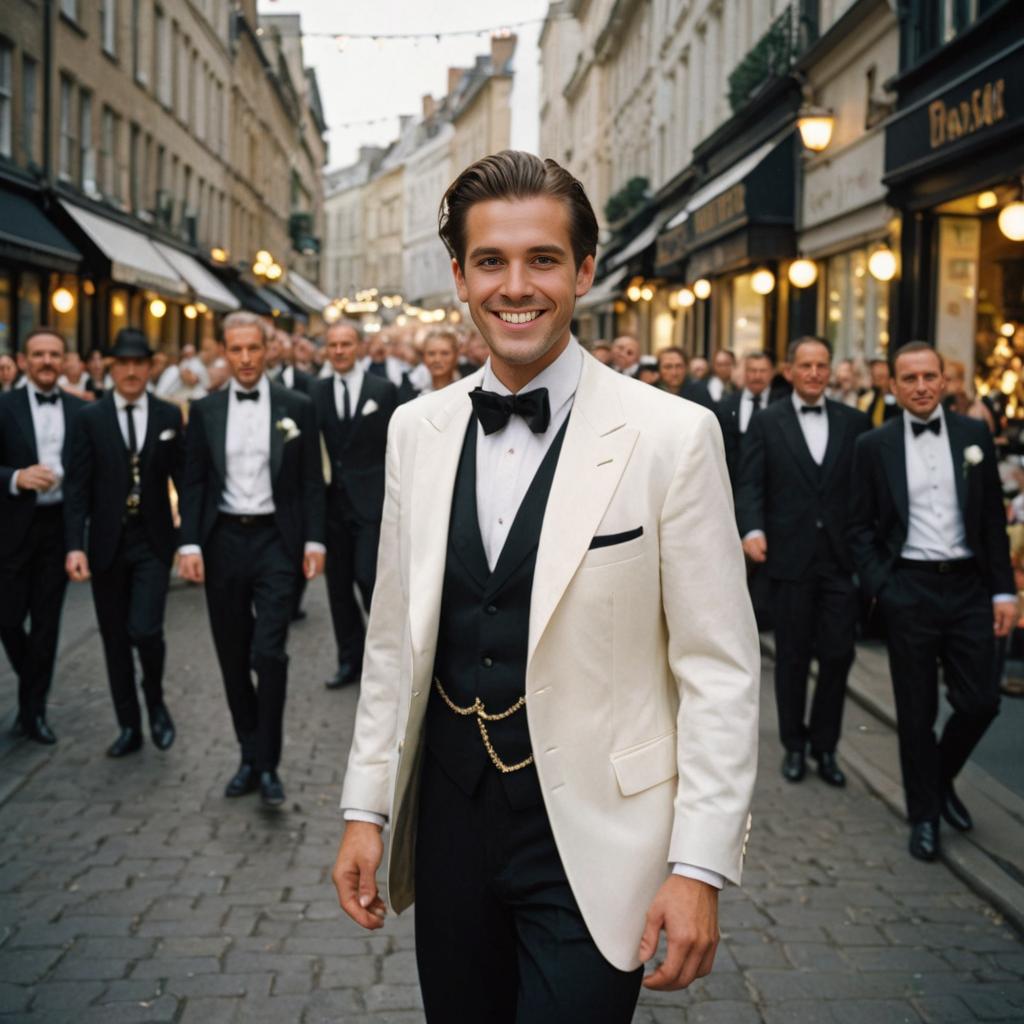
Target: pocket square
608,539
371,406
168,435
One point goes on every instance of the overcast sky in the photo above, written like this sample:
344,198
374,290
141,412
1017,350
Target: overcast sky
367,80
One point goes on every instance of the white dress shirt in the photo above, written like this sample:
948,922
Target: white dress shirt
354,383
506,462
814,426
715,388
747,406
140,415
935,527
48,425
248,487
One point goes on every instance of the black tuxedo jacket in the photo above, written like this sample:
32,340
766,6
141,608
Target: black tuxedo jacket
295,470
99,480
357,455
880,512
728,412
18,451
784,492
301,381
694,391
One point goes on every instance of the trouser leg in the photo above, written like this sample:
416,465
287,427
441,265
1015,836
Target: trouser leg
835,634
794,634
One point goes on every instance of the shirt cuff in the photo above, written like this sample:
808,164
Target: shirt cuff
190,549
712,878
14,484
753,533
314,548
996,598
352,814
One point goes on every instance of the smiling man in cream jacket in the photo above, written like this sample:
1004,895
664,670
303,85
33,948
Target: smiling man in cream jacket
558,716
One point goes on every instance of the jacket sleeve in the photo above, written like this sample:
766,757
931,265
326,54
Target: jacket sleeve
750,479
863,533
993,521
178,453
192,491
714,656
313,500
78,479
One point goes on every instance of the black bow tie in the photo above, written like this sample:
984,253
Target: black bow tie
247,396
935,426
47,399
816,409
494,410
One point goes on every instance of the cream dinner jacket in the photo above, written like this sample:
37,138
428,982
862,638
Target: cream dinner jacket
643,664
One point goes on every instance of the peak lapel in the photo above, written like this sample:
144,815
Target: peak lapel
217,430
23,414
958,441
836,428
894,458
278,410
598,443
794,435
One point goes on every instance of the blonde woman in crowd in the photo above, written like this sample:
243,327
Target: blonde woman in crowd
440,356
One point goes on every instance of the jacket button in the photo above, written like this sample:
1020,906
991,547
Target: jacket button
486,661
491,609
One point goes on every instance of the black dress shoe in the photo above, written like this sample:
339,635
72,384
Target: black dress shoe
271,790
36,729
245,780
128,742
954,811
347,673
829,770
161,727
794,766
924,840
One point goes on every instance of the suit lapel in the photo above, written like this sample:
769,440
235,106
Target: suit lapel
894,458
836,427
217,431
794,437
958,442
278,410
598,443
23,416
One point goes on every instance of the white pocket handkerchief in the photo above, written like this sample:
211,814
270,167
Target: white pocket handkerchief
371,406
168,435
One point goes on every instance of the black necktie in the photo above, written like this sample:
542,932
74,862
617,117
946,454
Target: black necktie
247,396
494,410
756,399
133,443
346,405
935,426
47,399
811,408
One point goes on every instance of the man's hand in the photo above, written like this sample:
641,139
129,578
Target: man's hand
37,478
1004,616
756,548
355,873
77,566
190,567
688,911
312,564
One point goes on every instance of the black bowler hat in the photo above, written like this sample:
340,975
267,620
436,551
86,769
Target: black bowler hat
131,343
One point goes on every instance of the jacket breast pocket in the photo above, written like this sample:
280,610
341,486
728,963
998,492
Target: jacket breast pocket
608,549
645,765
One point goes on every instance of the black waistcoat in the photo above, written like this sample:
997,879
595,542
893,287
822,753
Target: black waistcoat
483,633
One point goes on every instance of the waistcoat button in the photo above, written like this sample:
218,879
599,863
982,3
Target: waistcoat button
487,661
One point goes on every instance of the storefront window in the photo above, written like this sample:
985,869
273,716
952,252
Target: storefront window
6,339
956,302
746,318
118,313
64,311
856,307
30,301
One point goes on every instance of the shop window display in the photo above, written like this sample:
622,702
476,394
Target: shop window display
856,307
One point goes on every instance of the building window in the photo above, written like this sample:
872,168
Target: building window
856,307
29,106
68,148
110,169
181,57
6,72
108,26
87,162
69,8
142,41
164,81
135,168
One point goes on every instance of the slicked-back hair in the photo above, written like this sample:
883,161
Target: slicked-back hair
760,354
807,339
673,350
42,331
909,349
515,174
243,318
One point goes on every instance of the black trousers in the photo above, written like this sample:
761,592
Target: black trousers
32,585
815,617
351,560
250,593
499,937
934,619
130,598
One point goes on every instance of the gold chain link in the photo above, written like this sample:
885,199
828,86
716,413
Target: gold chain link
478,709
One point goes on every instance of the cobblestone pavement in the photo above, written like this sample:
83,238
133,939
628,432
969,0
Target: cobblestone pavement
134,891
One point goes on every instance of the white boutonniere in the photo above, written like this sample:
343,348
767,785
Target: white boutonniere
371,406
288,427
168,435
973,456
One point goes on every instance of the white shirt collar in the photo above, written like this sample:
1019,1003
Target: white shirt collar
120,401
799,403
561,378
908,418
356,373
263,386
37,390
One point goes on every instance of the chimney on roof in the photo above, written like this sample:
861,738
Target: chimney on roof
454,77
429,107
503,46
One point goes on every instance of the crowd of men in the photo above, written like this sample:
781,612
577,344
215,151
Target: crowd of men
851,516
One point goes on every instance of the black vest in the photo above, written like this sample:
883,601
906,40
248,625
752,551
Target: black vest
483,634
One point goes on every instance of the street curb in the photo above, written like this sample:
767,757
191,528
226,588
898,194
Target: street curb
991,876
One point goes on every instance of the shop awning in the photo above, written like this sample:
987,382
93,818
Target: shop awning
133,257
249,298
641,242
28,236
306,293
281,301
204,285
607,291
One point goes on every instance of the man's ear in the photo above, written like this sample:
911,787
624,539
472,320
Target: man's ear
585,276
460,282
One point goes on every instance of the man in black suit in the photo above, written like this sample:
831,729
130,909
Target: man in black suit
792,503
878,401
720,383
928,534
673,378
34,438
279,365
252,521
125,450
353,410
735,411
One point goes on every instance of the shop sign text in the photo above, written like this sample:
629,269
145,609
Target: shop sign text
985,107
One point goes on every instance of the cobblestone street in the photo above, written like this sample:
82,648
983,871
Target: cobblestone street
133,891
